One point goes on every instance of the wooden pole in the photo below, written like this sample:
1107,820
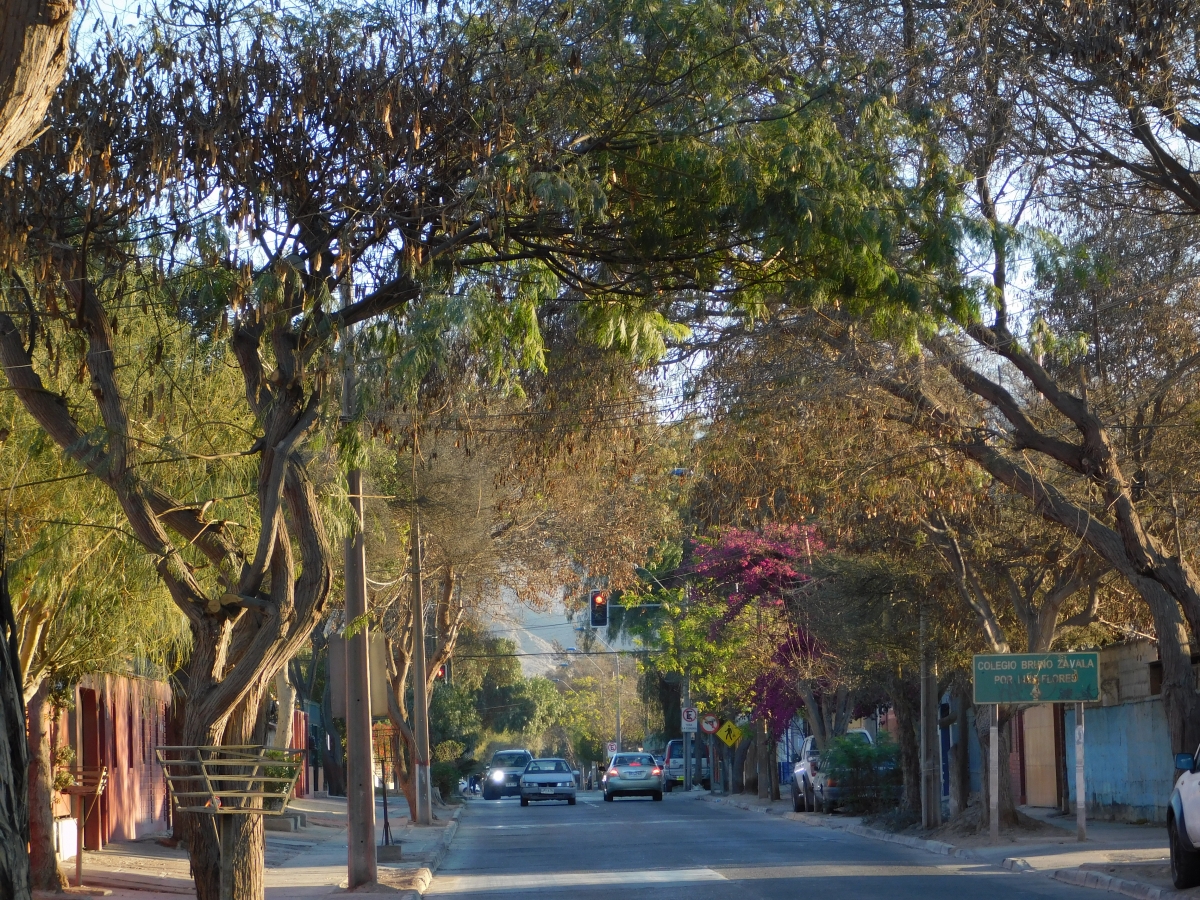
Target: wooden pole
994,776
1080,785
79,840
225,842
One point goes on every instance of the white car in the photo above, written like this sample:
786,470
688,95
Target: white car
548,779
1183,822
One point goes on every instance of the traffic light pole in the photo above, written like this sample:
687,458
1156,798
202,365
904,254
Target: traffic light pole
620,747
687,737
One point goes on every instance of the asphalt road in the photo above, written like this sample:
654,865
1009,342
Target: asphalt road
687,849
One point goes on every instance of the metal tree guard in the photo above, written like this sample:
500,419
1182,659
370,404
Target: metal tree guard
222,782
88,783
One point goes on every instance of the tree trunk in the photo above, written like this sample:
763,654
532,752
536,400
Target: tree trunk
406,772
907,721
762,759
750,779
331,756
14,797
773,757
739,765
244,727
1008,806
44,873
285,704
34,52
960,760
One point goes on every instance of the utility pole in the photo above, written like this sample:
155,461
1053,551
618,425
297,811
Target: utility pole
420,694
360,768
620,747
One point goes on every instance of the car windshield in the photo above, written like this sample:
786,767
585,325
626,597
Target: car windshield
639,760
547,765
510,760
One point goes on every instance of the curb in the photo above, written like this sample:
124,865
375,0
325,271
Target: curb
1101,882
424,875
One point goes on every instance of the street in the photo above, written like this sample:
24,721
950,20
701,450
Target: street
687,848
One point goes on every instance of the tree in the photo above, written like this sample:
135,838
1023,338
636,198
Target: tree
223,153
33,57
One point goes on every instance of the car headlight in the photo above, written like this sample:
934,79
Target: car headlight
566,784
526,783
497,776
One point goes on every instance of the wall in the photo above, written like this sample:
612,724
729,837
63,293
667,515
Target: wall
117,723
1128,764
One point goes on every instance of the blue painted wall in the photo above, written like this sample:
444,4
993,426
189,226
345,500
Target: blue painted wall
1127,761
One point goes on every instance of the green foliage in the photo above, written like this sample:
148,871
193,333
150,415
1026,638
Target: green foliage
869,775
444,776
449,751
454,716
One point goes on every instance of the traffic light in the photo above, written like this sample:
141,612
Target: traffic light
599,609
441,672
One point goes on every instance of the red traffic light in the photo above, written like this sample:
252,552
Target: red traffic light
599,609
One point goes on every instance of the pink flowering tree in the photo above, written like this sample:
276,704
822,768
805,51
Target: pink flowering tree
769,573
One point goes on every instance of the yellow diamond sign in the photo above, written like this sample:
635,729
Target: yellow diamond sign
729,733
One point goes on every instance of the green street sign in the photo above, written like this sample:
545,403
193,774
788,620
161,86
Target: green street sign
1037,677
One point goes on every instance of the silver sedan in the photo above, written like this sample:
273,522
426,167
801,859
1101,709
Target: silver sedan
632,774
548,779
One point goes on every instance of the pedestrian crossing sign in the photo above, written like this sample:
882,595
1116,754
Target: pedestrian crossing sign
729,733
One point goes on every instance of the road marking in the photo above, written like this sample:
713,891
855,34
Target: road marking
469,884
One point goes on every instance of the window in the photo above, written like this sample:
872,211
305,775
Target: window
548,765
510,760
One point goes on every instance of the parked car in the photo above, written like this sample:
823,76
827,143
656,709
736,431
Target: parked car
547,779
1183,822
673,765
805,768
632,774
503,775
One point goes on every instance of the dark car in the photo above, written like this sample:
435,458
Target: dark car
503,775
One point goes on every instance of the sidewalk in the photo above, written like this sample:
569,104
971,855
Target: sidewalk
309,864
1127,859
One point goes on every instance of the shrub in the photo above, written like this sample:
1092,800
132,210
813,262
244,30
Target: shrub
868,774
444,776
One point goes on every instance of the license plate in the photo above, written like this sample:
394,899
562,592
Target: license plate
634,775
549,791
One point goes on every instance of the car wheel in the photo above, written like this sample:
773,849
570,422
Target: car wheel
488,795
607,797
524,802
570,801
795,798
668,786
658,795
810,799
1185,864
